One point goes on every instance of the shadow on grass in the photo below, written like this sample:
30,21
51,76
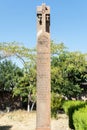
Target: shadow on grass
5,127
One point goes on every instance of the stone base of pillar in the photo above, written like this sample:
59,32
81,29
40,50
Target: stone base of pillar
43,128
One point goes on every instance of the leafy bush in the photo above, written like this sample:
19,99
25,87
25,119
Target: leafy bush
80,119
56,103
70,107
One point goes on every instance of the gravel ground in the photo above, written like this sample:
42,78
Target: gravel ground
22,120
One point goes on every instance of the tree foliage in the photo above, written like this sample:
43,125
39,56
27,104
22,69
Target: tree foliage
9,75
17,50
68,70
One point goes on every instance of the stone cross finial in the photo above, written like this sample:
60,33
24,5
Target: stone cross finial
43,16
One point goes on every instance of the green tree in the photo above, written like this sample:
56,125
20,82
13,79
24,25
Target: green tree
17,50
9,75
26,84
68,70
26,88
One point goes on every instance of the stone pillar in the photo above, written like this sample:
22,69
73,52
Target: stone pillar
43,68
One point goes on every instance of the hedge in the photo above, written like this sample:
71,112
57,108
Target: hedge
80,119
70,107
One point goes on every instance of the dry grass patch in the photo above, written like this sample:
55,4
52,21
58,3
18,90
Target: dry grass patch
20,115
23,120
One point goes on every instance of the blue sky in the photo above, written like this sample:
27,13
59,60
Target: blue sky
68,22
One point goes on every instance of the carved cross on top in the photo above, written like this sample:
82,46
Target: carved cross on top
43,15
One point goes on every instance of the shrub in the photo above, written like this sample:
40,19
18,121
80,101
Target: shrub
70,107
67,105
56,103
80,119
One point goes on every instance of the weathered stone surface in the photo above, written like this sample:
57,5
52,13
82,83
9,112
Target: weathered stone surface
43,86
43,69
43,129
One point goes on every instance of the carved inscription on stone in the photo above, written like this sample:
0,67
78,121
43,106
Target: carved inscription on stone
44,88
43,68
43,44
